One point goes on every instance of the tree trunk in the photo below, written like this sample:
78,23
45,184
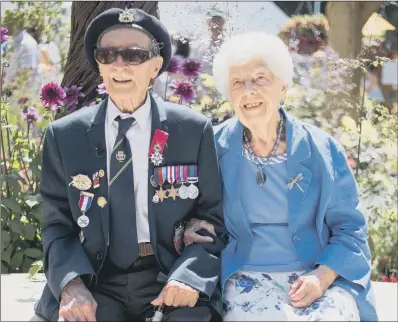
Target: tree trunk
77,70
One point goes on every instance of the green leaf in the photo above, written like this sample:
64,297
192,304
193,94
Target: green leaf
16,260
11,204
39,214
34,269
16,226
6,255
29,231
5,239
33,252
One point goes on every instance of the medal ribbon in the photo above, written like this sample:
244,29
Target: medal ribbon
85,201
193,173
159,137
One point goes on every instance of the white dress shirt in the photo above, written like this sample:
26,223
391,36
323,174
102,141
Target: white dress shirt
139,136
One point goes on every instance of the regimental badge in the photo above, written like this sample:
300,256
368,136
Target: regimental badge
127,16
120,156
101,202
81,182
156,156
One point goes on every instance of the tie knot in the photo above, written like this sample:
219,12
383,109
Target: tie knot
124,125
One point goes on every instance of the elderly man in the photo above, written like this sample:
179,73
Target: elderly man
118,178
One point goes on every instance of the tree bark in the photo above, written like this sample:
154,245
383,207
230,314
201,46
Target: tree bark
77,70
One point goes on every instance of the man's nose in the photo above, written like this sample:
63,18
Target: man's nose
119,62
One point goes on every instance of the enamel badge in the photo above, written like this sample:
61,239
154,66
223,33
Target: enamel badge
81,182
156,149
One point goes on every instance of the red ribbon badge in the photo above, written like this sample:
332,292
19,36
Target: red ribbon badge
160,138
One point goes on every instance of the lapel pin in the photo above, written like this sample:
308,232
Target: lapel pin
295,181
96,180
101,202
81,182
101,173
120,156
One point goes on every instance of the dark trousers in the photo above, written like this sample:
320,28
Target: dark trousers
127,295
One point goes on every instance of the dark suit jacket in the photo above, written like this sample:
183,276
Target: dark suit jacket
75,145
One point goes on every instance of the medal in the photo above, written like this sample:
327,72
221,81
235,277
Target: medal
161,177
153,182
183,192
96,180
85,202
101,173
171,178
155,198
157,146
156,156
101,202
81,182
83,221
193,191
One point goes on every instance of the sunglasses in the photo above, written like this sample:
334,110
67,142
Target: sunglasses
132,56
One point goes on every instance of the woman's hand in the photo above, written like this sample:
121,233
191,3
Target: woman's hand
311,286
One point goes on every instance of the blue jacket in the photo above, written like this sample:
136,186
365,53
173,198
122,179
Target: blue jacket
327,226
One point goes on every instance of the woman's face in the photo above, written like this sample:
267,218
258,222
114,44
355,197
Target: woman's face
121,79
254,92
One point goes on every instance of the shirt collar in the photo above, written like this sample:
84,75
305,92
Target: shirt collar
142,115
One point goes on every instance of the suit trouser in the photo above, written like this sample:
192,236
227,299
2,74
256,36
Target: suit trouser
127,295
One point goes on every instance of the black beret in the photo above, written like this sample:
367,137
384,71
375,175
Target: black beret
131,17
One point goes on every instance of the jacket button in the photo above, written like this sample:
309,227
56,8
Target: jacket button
99,256
296,238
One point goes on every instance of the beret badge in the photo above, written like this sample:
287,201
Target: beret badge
127,16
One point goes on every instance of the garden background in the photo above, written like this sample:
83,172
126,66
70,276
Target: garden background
342,52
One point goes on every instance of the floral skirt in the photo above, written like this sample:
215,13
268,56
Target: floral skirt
256,296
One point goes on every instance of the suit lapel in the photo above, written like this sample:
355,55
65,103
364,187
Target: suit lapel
96,138
298,150
230,164
159,121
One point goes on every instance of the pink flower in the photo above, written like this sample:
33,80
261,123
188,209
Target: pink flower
3,33
385,278
393,278
30,115
72,95
174,65
183,89
191,67
52,96
101,89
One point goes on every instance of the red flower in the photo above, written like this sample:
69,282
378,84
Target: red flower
389,260
385,278
393,278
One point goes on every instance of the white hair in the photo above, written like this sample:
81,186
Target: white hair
242,48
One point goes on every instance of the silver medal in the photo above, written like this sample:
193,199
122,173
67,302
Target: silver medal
183,192
155,199
83,221
153,182
193,191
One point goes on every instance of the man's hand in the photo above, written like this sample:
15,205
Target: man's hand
311,286
177,294
190,235
77,302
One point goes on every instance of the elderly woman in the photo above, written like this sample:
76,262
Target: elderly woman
297,246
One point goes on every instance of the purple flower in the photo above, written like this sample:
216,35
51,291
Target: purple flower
174,65
101,89
191,67
52,96
72,95
184,90
30,115
4,36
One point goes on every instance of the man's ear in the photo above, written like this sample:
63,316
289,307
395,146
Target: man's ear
158,62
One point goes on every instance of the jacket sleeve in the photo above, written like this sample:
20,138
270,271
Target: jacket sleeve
199,265
347,252
64,256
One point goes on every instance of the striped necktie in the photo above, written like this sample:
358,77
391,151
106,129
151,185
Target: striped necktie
123,247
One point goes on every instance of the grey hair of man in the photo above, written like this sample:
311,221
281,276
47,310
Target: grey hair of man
242,48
